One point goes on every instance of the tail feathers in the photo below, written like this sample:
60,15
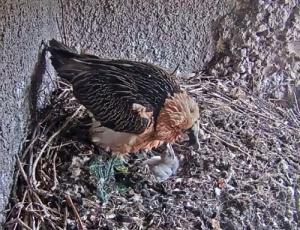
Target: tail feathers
56,45
60,53
67,62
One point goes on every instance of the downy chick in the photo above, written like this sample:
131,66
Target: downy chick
165,165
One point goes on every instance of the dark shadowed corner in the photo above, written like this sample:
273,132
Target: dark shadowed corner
36,82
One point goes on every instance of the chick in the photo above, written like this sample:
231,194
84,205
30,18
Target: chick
165,165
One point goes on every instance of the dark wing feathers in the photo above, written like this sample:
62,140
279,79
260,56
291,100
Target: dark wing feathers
109,101
108,88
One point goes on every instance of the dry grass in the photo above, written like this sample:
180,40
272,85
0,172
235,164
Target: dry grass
245,175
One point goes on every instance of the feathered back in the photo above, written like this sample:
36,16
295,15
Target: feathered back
110,88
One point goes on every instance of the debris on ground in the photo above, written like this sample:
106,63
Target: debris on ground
245,174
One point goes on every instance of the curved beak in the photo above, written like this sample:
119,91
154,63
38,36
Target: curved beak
193,136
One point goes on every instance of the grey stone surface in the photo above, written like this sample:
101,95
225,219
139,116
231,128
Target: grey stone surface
258,47
164,32
23,24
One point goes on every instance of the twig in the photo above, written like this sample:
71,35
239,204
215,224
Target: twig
297,202
254,112
48,143
54,172
291,113
65,217
296,103
38,224
46,213
192,85
34,138
226,142
68,85
23,224
22,171
71,204
175,70
35,212
62,145
20,209
196,90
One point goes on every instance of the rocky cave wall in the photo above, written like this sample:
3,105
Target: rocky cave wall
23,25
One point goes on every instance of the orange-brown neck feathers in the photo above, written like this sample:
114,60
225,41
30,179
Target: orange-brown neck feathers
179,112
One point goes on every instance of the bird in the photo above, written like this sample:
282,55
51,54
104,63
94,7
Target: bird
135,106
165,165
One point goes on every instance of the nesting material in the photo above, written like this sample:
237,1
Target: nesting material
245,175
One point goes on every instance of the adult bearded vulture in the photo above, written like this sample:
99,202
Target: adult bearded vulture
135,105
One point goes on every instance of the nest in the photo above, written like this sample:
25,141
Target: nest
244,177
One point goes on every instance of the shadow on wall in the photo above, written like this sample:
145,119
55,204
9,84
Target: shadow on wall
35,85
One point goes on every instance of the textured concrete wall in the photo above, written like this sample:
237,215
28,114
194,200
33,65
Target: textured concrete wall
23,24
164,32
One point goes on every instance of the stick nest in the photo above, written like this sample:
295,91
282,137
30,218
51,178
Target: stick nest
245,176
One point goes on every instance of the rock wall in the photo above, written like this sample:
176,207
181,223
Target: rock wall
258,47
168,33
23,25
